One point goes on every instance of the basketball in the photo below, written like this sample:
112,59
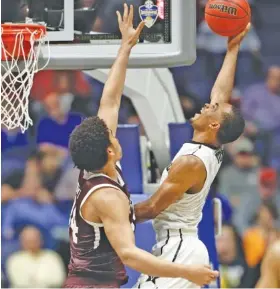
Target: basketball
227,17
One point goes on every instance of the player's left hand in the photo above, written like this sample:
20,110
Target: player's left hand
201,274
235,41
130,35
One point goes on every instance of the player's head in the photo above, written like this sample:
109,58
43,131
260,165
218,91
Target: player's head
92,145
222,121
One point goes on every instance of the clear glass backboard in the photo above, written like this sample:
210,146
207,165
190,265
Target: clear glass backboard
84,34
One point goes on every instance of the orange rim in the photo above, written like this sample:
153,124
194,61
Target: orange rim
9,30
11,45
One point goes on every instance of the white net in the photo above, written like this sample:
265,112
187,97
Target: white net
18,69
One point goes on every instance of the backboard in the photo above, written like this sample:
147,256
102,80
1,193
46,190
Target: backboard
84,34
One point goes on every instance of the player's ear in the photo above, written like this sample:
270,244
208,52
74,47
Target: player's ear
110,151
215,126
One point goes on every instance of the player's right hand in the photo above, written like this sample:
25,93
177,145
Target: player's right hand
130,35
235,41
201,274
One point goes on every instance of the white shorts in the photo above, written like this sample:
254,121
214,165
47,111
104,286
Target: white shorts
178,247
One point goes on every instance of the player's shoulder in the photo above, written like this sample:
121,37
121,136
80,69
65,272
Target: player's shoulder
106,196
199,149
191,163
109,202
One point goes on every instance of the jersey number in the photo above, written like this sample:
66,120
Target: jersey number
72,222
73,225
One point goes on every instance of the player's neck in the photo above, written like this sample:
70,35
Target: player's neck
110,170
204,138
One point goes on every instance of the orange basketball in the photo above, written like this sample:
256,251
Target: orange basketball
227,17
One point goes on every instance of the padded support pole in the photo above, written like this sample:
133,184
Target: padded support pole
154,96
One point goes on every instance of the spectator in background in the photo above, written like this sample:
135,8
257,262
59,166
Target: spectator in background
13,139
261,102
267,190
268,185
48,82
53,133
33,266
253,274
231,257
66,185
49,168
240,179
55,129
33,205
27,182
24,211
256,238
10,188
54,93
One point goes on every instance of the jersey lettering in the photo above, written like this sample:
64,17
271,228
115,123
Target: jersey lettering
219,155
74,226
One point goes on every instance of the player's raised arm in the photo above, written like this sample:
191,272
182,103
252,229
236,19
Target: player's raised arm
113,89
224,84
174,187
113,209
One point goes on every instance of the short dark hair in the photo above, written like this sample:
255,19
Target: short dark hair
89,143
232,126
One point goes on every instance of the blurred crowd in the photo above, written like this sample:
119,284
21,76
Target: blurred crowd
39,180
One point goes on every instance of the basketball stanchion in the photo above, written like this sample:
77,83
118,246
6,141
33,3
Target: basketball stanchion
20,52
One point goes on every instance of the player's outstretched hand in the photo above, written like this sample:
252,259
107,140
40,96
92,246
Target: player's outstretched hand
130,35
202,274
235,41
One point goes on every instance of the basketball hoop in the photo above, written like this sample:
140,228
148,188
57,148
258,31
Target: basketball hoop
20,49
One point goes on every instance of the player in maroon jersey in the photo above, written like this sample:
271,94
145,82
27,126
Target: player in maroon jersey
102,218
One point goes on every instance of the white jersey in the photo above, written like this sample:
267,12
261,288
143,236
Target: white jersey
186,213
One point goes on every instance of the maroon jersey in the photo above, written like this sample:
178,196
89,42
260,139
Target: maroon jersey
92,255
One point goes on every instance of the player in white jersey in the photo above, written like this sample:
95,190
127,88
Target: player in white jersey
177,205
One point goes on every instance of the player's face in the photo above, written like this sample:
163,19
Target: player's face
116,148
211,116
